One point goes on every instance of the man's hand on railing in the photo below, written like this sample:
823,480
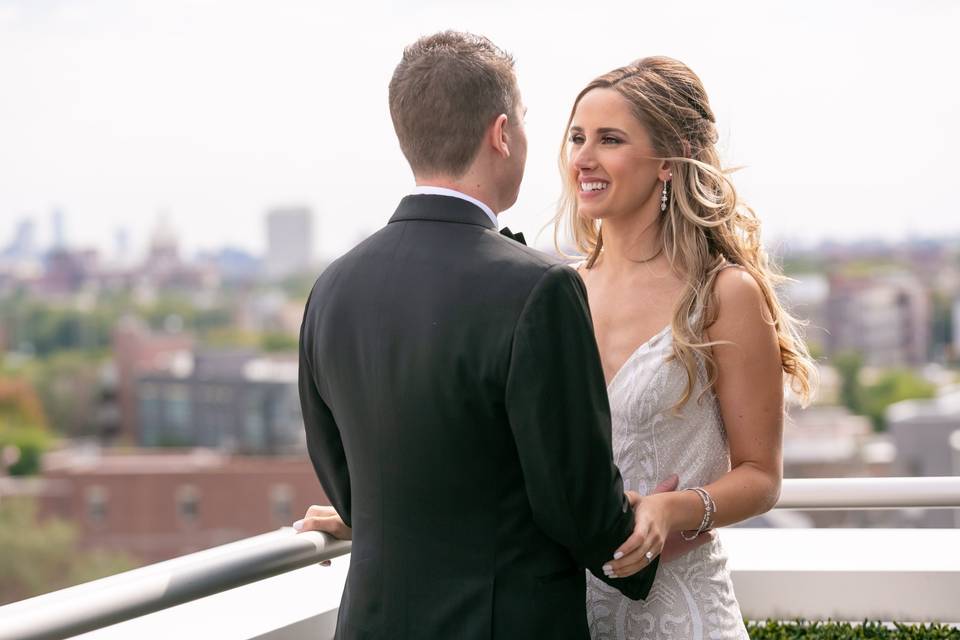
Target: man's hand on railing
323,518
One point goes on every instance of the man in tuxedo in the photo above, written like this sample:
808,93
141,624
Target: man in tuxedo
454,402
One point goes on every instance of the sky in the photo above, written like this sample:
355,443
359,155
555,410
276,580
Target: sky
845,116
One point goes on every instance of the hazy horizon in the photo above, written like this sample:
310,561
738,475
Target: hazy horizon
215,112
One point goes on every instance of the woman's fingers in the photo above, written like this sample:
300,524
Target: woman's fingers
636,559
639,529
649,531
629,545
631,563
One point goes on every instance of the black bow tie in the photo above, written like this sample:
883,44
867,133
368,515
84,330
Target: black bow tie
513,236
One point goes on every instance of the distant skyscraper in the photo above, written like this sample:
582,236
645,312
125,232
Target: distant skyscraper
164,249
289,241
56,223
121,244
24,241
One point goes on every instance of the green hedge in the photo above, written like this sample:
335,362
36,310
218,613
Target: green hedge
843,631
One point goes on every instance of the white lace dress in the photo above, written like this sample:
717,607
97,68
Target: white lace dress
692,596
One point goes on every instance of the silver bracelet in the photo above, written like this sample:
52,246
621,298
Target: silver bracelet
709,508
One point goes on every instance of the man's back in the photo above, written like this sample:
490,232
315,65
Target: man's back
450,430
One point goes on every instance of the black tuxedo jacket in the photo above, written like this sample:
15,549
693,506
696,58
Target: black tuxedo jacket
457,417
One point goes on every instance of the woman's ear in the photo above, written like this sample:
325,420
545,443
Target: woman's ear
664,173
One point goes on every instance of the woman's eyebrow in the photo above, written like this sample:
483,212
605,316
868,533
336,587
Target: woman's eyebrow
601,130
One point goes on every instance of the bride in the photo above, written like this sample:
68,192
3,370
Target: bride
694,343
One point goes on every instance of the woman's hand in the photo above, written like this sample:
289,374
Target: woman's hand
674,546
649,535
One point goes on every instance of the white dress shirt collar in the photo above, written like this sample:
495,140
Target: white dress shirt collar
443,191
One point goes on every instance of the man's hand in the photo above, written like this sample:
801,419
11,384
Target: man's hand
326,519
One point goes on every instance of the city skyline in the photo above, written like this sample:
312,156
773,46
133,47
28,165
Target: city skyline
124,110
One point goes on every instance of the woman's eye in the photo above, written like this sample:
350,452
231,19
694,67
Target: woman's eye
576,138
609,140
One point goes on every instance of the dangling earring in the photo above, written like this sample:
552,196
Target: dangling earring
663,198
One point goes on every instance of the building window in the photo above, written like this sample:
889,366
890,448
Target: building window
253,437
178,412
96,505
281,504
188,504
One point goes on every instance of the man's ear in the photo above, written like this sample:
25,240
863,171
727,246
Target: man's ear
498,137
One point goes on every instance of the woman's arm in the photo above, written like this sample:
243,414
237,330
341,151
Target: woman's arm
749,388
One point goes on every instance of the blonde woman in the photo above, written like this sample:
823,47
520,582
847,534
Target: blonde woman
694,343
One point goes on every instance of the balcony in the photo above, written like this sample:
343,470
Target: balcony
270,587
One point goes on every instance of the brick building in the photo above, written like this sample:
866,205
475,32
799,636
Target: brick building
161,505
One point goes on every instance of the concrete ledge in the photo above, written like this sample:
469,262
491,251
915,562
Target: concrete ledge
904,575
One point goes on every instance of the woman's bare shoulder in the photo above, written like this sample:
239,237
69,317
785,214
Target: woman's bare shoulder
741,307
735,285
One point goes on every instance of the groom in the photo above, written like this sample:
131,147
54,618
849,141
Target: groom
454,402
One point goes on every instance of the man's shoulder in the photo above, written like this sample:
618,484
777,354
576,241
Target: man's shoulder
356,255
521,261
494,256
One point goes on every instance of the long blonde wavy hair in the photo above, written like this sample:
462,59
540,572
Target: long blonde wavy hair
705,225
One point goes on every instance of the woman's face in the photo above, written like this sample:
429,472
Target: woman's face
611,159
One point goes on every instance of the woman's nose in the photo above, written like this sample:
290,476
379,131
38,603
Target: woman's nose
583,158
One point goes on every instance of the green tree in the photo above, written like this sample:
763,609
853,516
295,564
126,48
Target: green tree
40,556
23,432
201,320
298,286
69,386
893,386
47,330
848,365
278,341
231,337
872,399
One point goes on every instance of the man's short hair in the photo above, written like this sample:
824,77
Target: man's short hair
444,94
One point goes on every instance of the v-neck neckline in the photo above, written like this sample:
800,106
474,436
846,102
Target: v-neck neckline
640,348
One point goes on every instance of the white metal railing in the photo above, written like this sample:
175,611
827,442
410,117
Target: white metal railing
100,603
132,594
870,493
